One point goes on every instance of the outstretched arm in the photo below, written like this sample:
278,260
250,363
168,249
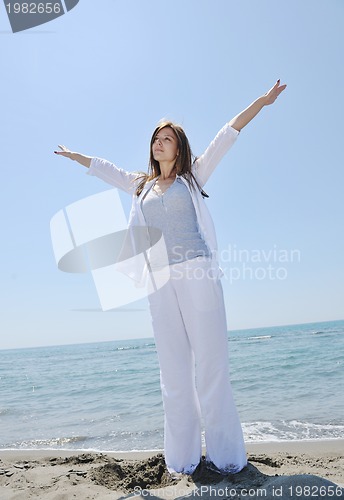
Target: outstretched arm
242,119
103,169
82,159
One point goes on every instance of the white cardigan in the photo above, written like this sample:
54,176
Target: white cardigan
128,182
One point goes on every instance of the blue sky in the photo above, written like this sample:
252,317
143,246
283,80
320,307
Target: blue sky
99,78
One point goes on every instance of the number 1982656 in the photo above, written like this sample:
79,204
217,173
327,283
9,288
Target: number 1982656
33,8
316,491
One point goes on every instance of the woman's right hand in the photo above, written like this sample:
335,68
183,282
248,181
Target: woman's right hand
82,159
65,152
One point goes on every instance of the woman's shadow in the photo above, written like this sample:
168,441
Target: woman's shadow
250,483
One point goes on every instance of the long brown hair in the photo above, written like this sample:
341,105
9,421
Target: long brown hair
184,160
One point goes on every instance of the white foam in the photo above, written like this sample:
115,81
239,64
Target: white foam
290,431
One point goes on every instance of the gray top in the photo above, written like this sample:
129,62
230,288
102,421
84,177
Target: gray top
174,214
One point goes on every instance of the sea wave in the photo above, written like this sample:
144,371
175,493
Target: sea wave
290,431
51,443
260,337
134,347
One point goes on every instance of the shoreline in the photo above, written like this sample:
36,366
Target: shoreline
63,474
273,446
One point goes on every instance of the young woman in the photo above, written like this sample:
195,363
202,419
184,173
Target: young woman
188,313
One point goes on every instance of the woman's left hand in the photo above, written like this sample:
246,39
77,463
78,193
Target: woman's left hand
271,96
242,119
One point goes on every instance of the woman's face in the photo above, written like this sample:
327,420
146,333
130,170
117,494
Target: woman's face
165,145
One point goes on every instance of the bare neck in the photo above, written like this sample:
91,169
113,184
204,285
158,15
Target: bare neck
167,170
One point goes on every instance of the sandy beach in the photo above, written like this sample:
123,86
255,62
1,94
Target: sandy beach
294,469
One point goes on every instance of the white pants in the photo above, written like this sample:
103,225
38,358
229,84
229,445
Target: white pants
190,330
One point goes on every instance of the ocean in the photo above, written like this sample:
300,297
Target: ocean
287,382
